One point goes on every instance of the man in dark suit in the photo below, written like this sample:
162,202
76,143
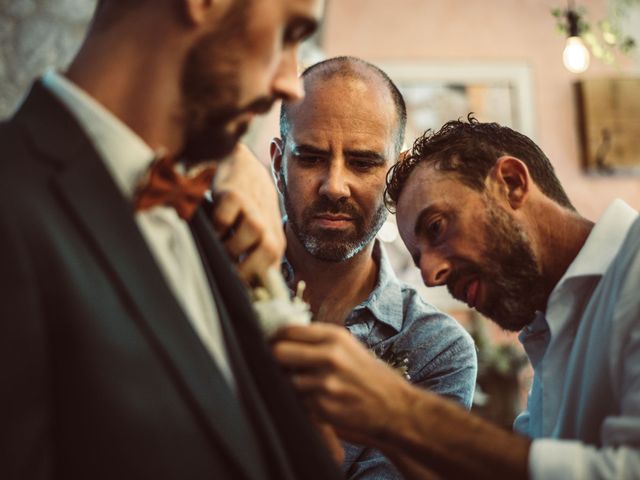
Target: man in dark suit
128,348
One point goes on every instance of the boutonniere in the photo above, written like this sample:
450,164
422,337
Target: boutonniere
396,359
274,305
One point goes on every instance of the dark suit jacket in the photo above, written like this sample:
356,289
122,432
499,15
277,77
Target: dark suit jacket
101,373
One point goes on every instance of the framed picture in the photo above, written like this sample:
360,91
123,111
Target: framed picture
436,92
609,116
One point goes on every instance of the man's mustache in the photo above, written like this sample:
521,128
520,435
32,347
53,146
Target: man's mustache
222,116
326,205
260,106
458,273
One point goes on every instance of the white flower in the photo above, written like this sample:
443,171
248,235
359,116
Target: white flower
275,307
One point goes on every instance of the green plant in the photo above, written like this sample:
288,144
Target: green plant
605,37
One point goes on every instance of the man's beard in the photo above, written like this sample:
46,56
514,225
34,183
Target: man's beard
333,245
513,284
217,135
211,90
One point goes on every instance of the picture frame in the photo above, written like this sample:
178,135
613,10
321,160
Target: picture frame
609,120
436,92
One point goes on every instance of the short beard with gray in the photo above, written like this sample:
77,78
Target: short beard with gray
333,246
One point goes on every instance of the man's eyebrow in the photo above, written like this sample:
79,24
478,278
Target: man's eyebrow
300,28
303,149
367,154
376,157
421,218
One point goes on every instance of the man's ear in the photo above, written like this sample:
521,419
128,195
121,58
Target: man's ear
511,180
202,11
276,149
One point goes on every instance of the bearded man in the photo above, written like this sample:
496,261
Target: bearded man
481,211
330,163
128,348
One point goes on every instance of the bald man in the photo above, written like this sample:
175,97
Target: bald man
330,163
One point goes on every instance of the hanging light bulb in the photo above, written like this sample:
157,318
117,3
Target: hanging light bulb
575,56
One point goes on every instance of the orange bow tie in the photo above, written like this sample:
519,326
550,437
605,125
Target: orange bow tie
163,185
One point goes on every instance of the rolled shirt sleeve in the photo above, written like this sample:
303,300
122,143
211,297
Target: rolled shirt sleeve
551,459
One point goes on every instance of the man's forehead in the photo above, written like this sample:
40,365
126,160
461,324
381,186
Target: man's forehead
351,82
352,113
424,174
338,126
426,185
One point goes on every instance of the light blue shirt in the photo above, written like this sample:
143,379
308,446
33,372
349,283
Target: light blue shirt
584,406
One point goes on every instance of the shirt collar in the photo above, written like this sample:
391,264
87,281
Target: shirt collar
591,263
603,242
124,153
385,301
534,338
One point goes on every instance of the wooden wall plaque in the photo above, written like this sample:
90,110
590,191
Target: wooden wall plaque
609,117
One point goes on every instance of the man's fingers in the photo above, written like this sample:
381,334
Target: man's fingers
257,262
245,237
331,440
253,244
309,382
295,355
227,211
246,214
314,333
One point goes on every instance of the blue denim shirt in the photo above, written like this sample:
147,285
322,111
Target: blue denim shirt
401,328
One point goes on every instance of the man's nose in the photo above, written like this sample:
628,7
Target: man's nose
335,184
286,83
435,268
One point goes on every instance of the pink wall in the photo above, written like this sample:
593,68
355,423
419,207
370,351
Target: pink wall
492,30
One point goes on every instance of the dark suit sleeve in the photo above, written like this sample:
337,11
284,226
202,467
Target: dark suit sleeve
24,419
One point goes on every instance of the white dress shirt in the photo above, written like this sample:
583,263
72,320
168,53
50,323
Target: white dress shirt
127,158
584,406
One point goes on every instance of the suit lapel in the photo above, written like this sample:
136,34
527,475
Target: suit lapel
214,256
105,218
270,393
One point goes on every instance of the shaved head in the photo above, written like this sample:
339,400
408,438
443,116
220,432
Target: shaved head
348,68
